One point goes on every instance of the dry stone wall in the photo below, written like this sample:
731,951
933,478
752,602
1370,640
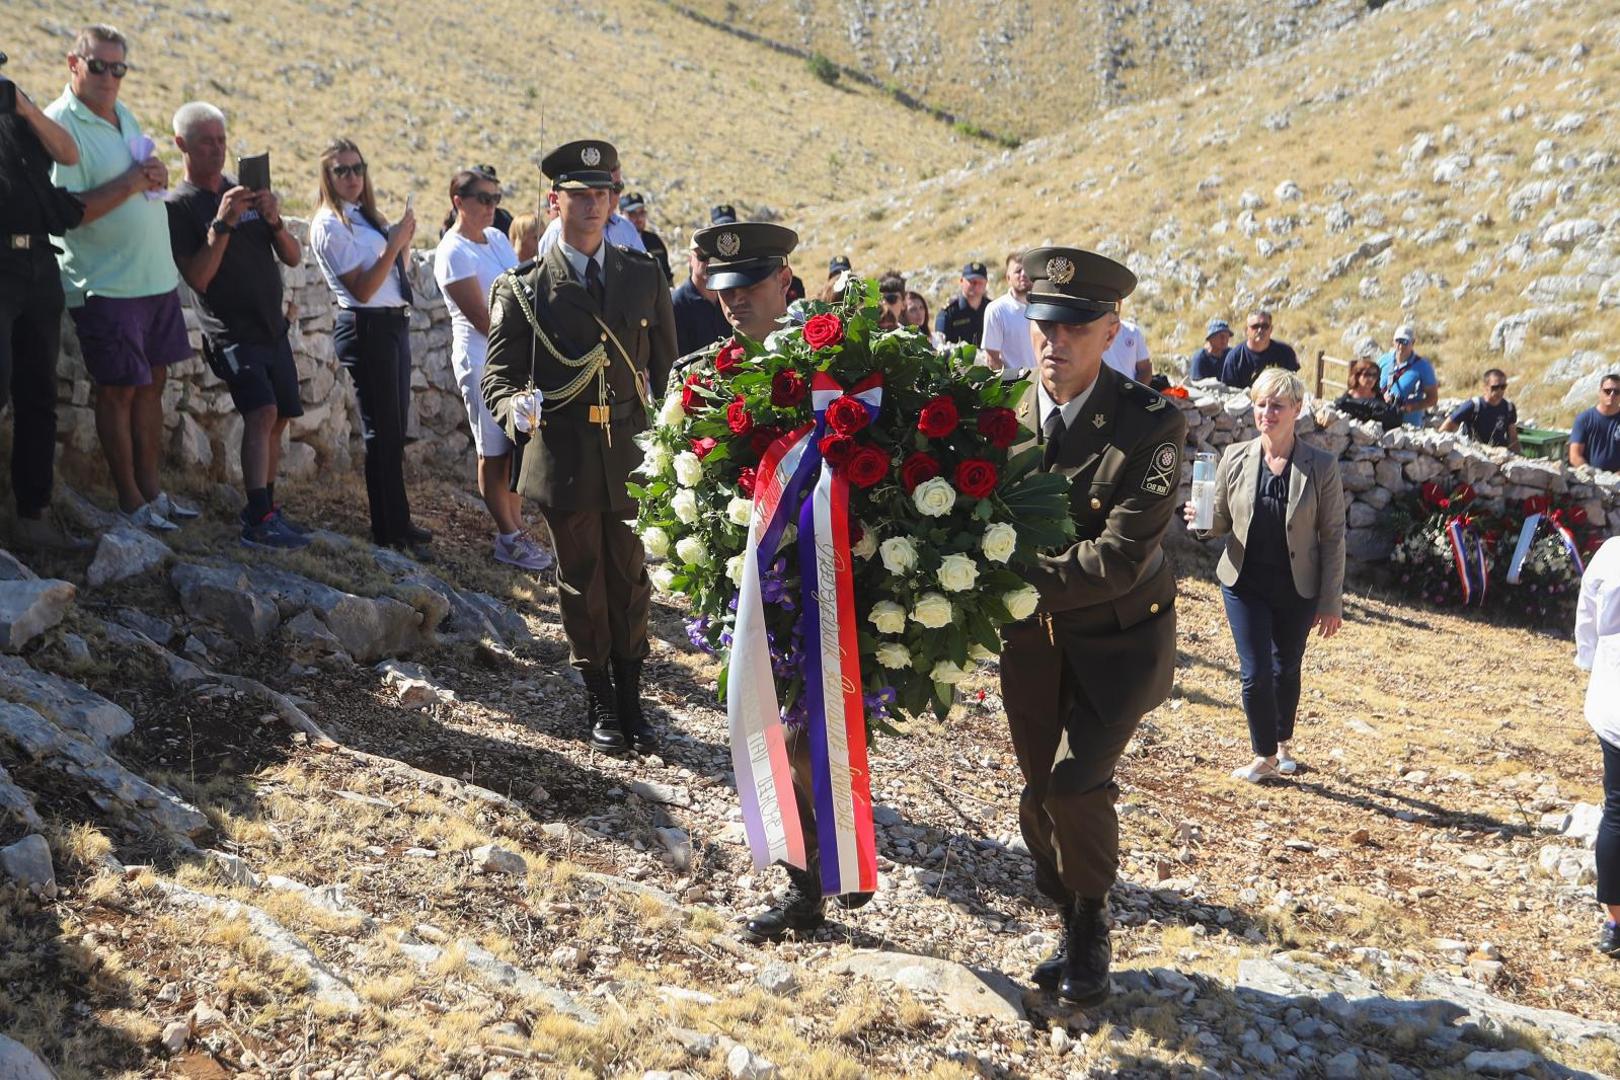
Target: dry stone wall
1378,465
202,426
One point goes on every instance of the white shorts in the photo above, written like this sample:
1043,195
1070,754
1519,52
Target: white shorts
488,438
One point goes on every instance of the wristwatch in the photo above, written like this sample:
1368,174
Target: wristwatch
220,225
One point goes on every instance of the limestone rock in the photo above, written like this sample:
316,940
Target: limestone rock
1574,865
13,568
667,794
17,803
679,846
1495,1014
65,702
222,596
493,860
414,684
743,1064
28,862
1583,822
975,993
17,1062
126,552
499,972
28,608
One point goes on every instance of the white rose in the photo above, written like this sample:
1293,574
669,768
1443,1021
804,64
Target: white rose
891,655
692,551
979,652
946,671
957,573
655,462
661,576
688,468
684,506
656,541
672,413
999,542
899,555
734,569
932,610
739,510
933,497
888,616
868,544
1022,602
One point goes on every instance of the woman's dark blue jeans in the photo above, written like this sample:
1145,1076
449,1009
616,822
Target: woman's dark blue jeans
1270,625
1608,837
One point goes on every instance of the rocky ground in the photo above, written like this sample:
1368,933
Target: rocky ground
328,815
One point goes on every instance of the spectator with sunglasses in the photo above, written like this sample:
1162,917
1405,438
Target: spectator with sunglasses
891,301
503,218
362,258
1595,439
1256,352
1407,379
1489,418
1361,399
472,253
120,280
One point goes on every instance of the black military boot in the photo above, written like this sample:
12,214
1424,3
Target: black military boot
1049,972
638,735
1087,953
606,735
801,909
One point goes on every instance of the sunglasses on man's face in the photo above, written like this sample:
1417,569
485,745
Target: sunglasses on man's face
342,171
1493,387
117,68
1610,391
891,298
1259,326
485,198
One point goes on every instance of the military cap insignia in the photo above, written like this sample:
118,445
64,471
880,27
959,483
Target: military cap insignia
1162,468
1059,271
727,244
591,156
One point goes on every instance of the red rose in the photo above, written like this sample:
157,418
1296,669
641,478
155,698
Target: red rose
730,355
1576,515
917,467
975,478
746,480
760,439
1432,494
837,449
737,418
822,331
701,447
867,467
938,417
1537,504
998,426
691,397
787,389
846,415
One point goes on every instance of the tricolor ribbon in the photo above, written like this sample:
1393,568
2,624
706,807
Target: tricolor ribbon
1570,547
833,699
1468,556
832,670
1527,536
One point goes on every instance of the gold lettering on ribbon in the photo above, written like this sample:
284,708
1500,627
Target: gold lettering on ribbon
833,686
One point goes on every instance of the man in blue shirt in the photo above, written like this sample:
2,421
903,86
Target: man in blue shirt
1206,362
1491,418
1407,380
1595,440
1257,352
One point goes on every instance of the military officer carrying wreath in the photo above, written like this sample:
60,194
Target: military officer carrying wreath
1100,652
578,339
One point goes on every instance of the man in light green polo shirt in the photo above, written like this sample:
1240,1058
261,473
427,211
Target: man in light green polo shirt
118,272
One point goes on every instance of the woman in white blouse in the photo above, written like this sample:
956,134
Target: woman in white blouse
363,260
1597,649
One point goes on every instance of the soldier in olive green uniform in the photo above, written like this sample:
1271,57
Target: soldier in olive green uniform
1101,650
589,326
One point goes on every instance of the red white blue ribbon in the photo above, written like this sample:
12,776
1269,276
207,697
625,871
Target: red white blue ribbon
758,741
1527,536
1570,547
1468,556
832,670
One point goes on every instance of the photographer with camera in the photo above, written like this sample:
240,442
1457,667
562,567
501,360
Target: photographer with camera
31,302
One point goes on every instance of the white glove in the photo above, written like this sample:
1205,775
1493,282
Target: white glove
526,410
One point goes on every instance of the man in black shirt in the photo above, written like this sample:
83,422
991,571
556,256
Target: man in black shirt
698,318
1257,351
226,239
31,211
963,318
1490,418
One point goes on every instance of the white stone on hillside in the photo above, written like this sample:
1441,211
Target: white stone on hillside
495,860
65,702
126,552
743,1064
666,794
1565,235
975,993
414,684
17,802
28,608
222,596
28,862
1573,865
1583,823
17,1062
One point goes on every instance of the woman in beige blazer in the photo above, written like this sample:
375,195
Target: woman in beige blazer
1280,504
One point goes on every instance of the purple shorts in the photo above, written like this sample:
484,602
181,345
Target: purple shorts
124,339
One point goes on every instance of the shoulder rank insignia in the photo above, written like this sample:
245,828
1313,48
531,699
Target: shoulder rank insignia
1157,403
1161,475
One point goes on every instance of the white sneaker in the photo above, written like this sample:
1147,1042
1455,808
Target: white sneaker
173,509
1257,772
148,517
1286,764
522,552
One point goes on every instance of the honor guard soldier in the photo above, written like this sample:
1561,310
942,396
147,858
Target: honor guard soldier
1100,652
577,340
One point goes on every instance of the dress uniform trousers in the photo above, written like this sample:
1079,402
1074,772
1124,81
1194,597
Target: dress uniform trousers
602,586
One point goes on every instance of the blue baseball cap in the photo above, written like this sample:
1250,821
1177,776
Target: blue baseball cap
1217,326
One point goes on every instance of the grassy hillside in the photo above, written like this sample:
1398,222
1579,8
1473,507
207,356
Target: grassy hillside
699,117
1450,165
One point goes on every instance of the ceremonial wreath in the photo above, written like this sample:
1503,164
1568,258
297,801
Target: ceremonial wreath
1523,561
841,508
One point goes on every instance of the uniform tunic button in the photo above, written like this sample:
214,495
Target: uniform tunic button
643,322
1096,503
604,336
1153,609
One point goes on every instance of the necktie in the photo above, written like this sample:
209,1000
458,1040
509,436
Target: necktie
1053,429
399,260
593,281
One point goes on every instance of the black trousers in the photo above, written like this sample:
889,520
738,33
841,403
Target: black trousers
1608,838
374,347
30,338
